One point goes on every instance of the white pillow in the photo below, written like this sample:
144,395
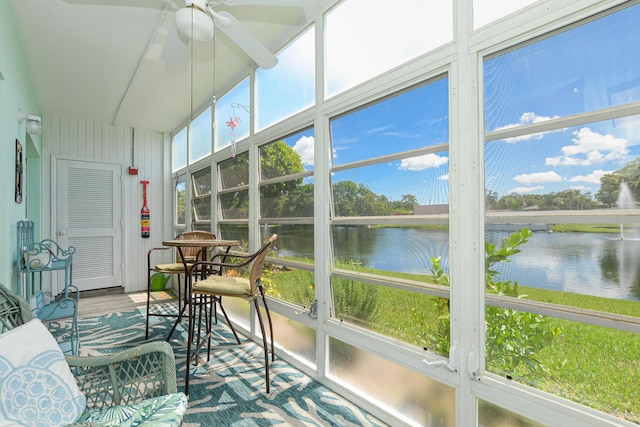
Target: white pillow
37,387
37,259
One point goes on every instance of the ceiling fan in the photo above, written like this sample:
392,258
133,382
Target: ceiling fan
197,20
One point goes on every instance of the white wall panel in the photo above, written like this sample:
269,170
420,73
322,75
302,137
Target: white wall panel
74,139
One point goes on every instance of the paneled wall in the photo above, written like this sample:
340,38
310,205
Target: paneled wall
67,138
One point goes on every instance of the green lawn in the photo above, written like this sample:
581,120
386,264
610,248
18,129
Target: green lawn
591,365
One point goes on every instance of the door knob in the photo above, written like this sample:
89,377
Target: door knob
60,233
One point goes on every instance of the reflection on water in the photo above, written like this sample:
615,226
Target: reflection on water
406,250
599,264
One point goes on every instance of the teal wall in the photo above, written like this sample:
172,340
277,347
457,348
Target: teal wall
16,91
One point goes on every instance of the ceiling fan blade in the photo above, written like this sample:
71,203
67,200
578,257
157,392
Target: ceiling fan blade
175,47
241,36
311,7
292,3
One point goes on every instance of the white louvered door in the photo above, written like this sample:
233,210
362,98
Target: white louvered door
88,207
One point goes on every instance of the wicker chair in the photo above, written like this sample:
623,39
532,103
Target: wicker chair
177,267
143,375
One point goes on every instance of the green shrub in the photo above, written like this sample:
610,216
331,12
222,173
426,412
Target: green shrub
292,285
354,301
513,338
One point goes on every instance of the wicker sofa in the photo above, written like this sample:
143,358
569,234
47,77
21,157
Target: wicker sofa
132,387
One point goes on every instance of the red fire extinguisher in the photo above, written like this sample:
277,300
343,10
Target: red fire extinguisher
145,213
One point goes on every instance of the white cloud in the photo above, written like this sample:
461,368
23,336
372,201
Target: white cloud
590,148
402,135
538,178
592,178
304,147
346,143
423,162
527,119
388,131
378,130
530,118
444,177
524,190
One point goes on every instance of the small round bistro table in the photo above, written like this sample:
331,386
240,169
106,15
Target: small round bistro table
204,245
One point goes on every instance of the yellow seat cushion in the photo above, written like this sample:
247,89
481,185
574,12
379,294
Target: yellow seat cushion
224,285
174,267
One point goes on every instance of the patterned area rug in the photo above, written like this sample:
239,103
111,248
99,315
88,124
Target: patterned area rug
229,390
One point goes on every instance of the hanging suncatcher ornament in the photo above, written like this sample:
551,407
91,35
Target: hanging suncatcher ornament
233,123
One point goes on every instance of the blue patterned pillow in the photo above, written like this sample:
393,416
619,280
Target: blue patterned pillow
37,387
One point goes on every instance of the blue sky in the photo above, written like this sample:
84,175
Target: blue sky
582,70
409,121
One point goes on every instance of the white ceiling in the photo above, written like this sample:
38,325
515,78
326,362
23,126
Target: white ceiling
100,60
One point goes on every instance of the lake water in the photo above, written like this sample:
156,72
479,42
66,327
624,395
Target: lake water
599,264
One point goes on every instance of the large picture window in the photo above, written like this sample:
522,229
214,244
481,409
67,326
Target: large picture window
358,45
562,164
179,150
390,195
200,136
289,87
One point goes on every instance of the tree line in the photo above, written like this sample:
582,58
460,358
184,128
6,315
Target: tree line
294,198
573,199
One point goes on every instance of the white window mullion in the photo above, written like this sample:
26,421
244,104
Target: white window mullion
322,200
466,220
254,176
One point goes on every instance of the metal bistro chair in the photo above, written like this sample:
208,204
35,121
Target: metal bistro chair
174,268
216,286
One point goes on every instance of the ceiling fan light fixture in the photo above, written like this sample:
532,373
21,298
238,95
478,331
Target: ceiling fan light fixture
194,24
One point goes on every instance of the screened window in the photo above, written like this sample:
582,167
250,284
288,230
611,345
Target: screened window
606,74
286,208
569,193
412,120
180,196
390,194
179,150
359,46
233,193
289,87
201,196
232,116
200,138
286,171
